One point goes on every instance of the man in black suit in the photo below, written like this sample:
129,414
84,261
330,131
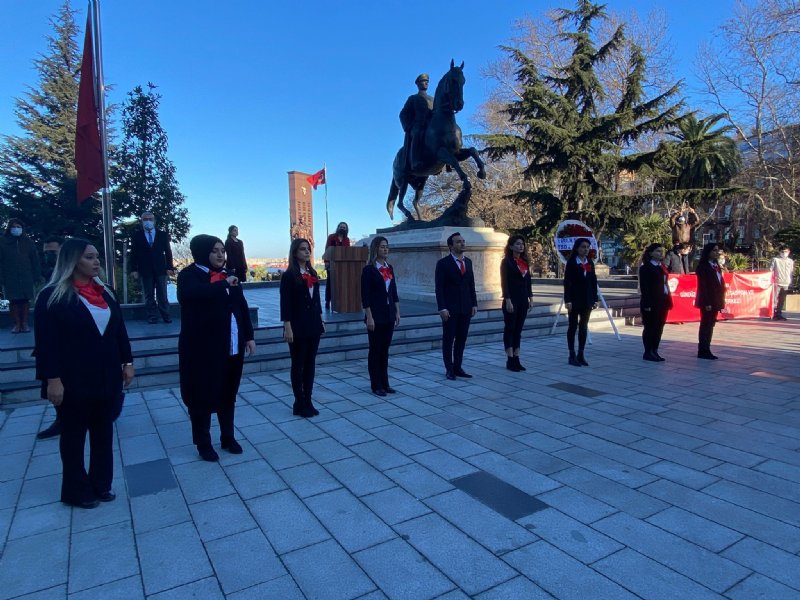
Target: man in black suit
457,304
151,262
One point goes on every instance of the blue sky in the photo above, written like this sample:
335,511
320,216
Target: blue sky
254,89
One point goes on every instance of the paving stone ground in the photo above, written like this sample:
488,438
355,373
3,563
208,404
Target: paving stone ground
671,480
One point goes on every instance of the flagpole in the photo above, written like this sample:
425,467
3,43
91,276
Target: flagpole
325,173
108,224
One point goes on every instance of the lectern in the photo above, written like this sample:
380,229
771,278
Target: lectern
347,262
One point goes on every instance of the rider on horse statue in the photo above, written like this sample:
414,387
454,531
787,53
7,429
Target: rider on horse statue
414,118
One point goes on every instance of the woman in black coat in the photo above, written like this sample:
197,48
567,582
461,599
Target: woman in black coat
381,313
515,281
710,297
83,358
301,313
235,262
580,297
215,335
655,301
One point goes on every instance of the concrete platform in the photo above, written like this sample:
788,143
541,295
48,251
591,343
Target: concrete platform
625,479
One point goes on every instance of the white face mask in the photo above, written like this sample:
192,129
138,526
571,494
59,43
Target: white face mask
16,231
785,254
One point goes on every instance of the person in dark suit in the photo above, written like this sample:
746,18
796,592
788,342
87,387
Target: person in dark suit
215,335
677,259
151,263
83,358
381,312
457,304
235,261
656,300
580,298
515,281
301,313
710,297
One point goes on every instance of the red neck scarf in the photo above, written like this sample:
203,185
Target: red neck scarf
521,265
587,267
218,276
386,272
664,269
309,279
92,292
717,268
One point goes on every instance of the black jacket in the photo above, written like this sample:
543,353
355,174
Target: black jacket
579,288
376,297
710,290
513,284
204,343
652,283
69,346
151,261
302,310
677,263
235,262
454,291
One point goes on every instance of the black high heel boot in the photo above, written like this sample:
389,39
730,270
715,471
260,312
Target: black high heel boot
519,364
510,364
573,361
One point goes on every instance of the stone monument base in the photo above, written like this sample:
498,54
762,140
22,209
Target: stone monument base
414,253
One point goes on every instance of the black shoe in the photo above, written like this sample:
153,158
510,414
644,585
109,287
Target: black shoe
779,318
519,364
459,372
582,361
707,356
312,409
167,320
297,409
108,496
152,321
650,356
232,446
52,431
207,453
389,390
659,357
87,504
449,374
574,361
511,365
379,392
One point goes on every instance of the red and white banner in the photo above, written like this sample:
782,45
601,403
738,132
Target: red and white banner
747,296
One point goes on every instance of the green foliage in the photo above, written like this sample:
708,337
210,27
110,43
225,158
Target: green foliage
574,153
37,168
737,262
789,236
645,230
143,176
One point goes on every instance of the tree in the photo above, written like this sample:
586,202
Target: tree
575,151
37,168
144,177
645,230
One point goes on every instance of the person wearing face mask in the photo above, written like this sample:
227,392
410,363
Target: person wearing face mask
656,300
782,268
19,271
151,263
216,333
50,249
337,238
710,297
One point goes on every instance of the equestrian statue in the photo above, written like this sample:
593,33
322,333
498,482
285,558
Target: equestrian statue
433,142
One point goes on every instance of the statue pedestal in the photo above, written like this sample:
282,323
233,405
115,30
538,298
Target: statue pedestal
414,253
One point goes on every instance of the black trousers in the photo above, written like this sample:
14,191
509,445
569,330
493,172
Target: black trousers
653,327
454,340
781,302
578,321
224,407
154,288
708,318
77,416
513,324
303,351
378,358
328,286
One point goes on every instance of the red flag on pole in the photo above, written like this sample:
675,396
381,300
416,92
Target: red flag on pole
88,149
317,178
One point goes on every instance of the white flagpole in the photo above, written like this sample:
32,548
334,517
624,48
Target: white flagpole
108,224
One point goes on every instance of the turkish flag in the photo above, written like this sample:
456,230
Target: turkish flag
317,178
88,149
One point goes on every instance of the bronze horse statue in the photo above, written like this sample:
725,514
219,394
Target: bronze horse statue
442,148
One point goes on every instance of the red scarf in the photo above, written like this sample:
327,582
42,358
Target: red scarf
716,267
92,292
309,279
521,265
218,276
587,267
664,270
386,272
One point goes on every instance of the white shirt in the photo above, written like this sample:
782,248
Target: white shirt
234,349
459,262
303,271
655,263
387,282
717,269
101,316
582,262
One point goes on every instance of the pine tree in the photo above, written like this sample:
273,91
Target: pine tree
143,176
575,153
37,168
